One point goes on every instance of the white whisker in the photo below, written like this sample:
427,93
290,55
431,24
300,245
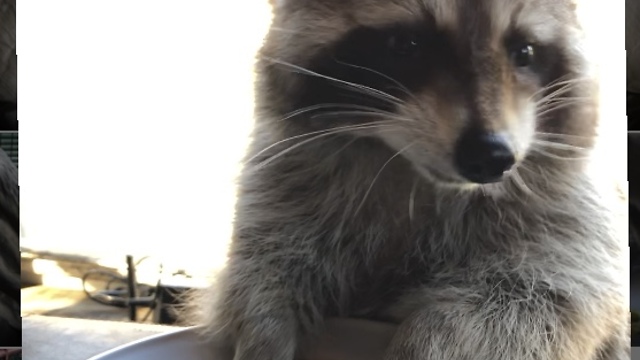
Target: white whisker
363,88
557,145
313,108
562,82
557,106
304,135
322,133
519,181
332,106
364,110
553,156
349,143
400,85
361,113
366,195
557,100
288,31
561,136
554,94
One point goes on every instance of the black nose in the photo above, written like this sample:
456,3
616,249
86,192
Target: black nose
483,157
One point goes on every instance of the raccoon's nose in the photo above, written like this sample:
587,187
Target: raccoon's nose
483,157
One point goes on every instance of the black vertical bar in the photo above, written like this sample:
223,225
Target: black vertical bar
133,289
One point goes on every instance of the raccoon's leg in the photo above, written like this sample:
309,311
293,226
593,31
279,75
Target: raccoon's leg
465,324
268,337
261,306
252,312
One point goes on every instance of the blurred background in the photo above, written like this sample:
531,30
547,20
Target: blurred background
141,159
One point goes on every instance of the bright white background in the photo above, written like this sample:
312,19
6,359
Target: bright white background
134,116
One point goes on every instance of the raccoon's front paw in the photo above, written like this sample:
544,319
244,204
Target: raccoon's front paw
267,339
265,352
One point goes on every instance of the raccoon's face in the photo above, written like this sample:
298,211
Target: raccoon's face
465,90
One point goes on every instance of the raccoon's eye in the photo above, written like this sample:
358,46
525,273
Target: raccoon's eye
523,55
403,44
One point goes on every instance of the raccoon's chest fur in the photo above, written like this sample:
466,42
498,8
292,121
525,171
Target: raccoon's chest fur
482,241
364,235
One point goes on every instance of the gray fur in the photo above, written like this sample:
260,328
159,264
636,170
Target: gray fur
344,225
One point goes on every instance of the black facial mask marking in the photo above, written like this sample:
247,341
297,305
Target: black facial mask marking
401,59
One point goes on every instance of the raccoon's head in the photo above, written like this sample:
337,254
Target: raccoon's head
465,90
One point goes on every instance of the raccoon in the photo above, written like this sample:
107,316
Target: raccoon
423,162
